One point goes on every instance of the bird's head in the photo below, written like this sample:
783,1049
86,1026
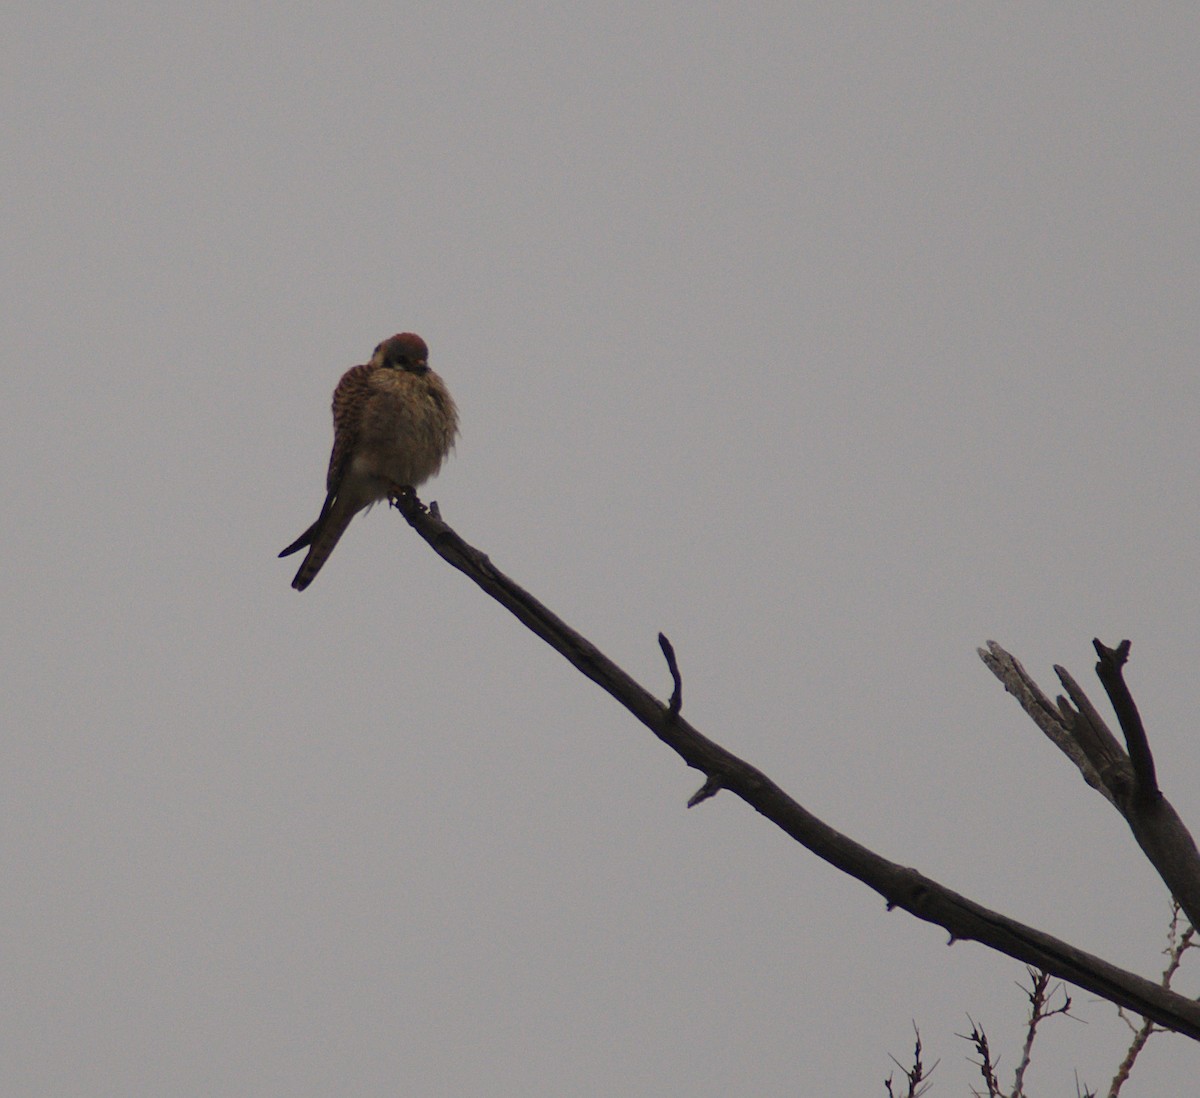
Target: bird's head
405,351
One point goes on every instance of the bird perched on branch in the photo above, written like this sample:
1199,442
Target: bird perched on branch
394,422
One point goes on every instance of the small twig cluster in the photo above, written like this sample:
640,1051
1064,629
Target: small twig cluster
1048,1000
1045,1001
986,1065
916,1077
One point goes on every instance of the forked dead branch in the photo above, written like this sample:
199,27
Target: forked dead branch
1081,737
1126,779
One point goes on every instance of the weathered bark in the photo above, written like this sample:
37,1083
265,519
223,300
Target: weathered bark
1126,780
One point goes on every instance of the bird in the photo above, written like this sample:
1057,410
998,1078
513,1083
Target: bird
394,423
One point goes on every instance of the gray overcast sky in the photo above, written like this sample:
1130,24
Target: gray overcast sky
833,340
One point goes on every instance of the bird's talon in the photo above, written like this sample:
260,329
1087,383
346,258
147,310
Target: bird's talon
404,493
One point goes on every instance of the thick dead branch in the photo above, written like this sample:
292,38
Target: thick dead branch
1127,780
900,887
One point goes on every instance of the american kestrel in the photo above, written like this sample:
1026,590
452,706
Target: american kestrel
393,424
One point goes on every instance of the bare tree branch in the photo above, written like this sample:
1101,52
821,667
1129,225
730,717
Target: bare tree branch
1127,780
1108,671
899,886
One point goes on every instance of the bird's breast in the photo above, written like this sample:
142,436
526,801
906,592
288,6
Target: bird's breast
407,430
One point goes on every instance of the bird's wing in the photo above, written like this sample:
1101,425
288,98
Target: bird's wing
349,399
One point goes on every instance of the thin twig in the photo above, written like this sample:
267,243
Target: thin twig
987,1069
1177,945
710,788
916,1076
1039,994
668,651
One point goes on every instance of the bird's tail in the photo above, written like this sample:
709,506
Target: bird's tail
321,536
